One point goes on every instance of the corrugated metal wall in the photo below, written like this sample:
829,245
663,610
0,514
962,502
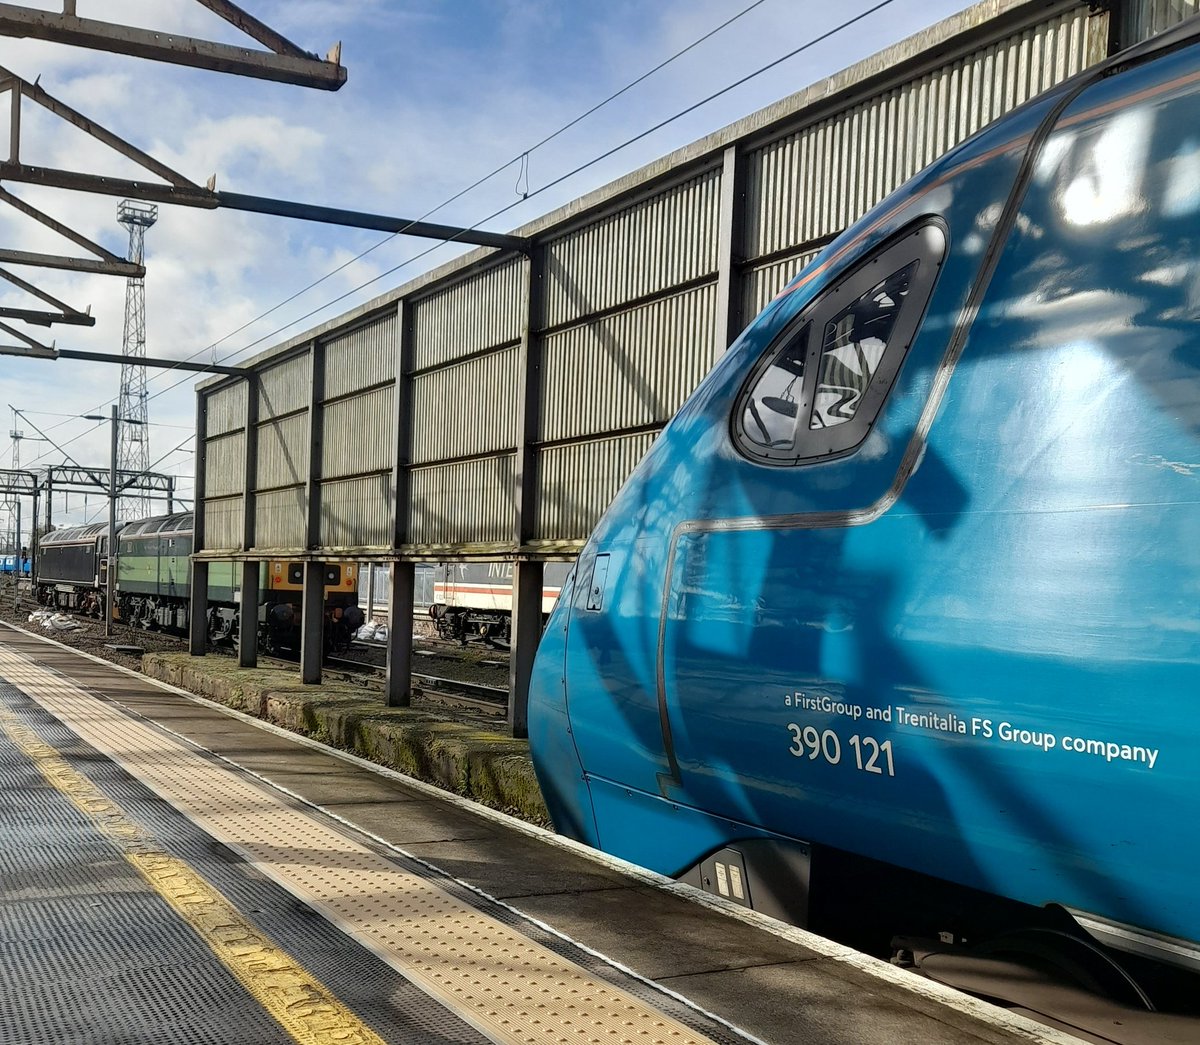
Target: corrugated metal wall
470,502
625,312
358,435
578,476
464,392
466,408
653,246
1147,17
466,317
224,451
809,185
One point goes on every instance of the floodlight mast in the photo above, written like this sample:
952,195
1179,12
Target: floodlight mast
134,452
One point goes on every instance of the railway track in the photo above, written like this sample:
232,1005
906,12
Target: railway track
348,669
432,685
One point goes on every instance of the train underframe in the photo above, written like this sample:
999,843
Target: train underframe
279,629
471,625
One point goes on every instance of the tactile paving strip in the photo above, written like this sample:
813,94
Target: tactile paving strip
379,995
88,952
511,988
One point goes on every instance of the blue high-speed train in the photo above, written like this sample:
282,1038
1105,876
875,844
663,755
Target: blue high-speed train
909,589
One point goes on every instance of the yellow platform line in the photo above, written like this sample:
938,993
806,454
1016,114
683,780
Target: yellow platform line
513,990
304,1007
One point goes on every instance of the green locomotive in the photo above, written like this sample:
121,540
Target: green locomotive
153,584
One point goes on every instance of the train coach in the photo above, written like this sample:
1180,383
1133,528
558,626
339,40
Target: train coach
18,564
153,585
473,600
917,607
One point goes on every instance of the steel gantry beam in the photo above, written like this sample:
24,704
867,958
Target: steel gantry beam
65,313
15,481
69,477
105,262
182,191
284,62
36,350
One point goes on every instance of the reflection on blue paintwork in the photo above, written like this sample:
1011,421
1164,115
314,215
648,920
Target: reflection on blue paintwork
971,646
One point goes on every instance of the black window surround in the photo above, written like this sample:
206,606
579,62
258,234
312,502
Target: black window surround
799,348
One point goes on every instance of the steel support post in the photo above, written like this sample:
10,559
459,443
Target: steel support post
526,632
248,613
402,574
400,632
527,576
312,623
111,586
35,542
312,614
248,617
198,608
730,249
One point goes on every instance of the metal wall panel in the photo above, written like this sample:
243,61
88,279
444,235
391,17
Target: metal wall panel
468,502
285,387
362,358
224,465
652,246
484,311
357,513
223,524
815,182
279,519
578,482
358,434
1147,17
282,452
468,408
760,285
629,369
227,409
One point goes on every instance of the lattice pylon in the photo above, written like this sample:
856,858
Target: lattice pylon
133,445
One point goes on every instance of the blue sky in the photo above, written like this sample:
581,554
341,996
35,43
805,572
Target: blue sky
438,95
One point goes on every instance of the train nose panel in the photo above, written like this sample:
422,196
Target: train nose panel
552,745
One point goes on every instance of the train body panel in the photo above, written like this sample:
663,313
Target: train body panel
19,564
71,567
936,609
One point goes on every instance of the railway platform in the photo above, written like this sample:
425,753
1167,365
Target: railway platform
174,871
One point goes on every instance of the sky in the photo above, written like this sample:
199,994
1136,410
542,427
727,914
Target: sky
439,94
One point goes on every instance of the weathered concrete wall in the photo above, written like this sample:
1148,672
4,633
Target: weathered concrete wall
462,757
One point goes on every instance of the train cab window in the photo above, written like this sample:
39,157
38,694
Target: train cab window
769,418
853,347
818,389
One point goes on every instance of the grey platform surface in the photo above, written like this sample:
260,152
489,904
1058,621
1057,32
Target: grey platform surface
767,984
